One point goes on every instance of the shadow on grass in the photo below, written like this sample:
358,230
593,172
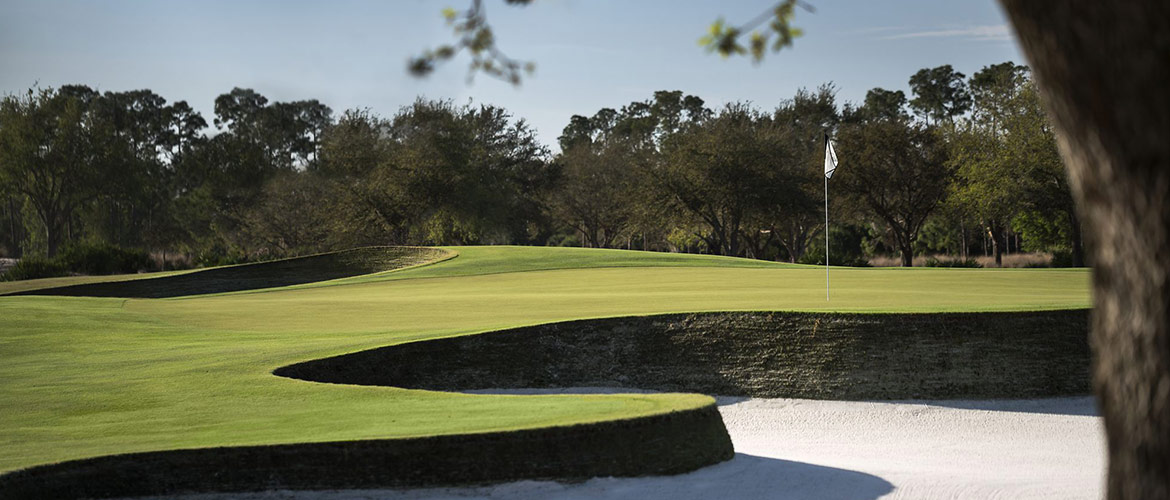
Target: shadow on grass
277,273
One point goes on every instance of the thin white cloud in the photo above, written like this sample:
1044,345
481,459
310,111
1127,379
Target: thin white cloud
988,33
875,30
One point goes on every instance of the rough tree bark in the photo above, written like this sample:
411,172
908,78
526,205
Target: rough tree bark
15,231
795,240
995,233
1104,70
906,248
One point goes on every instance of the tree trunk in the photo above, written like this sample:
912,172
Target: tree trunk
733,246
996,244
963,241
52,239
1104,73
796,241
14,233
906,247
53,229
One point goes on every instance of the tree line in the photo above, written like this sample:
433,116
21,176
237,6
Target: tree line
961,166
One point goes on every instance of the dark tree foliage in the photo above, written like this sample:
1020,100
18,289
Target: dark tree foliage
882,104
441,174
898,171
291,215
795,222
598,192
607,190
287,133
940,93
723,171
1010,175
51,154
665,173
354,156
646,170
993,87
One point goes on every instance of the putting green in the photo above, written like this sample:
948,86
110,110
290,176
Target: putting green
83,377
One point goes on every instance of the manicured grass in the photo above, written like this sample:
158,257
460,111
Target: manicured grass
82,377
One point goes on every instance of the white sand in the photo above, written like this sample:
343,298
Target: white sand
804,449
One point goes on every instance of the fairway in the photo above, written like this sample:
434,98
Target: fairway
84,377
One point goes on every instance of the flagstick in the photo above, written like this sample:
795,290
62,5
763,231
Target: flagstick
826,238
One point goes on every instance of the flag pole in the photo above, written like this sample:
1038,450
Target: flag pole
830,167
826,236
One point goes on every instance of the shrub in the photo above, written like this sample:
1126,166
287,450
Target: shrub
103,258
91,259
845,247
848,259
936,262
1062,258
215,259
35,267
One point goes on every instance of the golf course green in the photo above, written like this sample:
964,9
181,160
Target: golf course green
85,377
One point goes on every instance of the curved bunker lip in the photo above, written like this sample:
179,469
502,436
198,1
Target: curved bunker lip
788,450
818,356
927,356
1081,406
668,443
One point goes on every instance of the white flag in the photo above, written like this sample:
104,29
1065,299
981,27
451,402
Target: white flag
830,158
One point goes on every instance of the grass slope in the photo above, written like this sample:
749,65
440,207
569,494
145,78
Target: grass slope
271,274
985,355
12,287
82,377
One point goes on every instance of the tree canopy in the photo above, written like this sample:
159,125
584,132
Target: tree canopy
664,173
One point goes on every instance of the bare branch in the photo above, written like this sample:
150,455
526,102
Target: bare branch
475,36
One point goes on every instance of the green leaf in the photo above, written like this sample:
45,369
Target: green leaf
716,27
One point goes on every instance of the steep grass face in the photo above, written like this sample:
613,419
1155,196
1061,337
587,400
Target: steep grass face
756,354
13,287
272,274
82,377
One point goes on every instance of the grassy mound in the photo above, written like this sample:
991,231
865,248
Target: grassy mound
85,377
802,355
671,443
277,273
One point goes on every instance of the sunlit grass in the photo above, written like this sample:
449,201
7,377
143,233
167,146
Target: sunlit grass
82,377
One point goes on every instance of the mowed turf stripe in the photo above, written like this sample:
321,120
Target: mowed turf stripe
482,302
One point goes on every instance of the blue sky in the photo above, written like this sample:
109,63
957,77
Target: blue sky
589,53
